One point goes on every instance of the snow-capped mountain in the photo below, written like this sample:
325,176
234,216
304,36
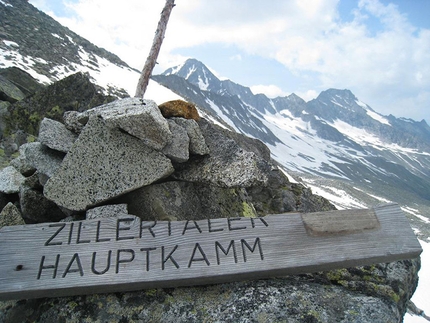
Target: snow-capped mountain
36,43
334,136
48,51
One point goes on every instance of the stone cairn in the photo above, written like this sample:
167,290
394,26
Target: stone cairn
132,157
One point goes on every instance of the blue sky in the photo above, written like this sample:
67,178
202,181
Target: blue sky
379,49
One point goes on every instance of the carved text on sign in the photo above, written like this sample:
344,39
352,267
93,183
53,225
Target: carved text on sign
124,253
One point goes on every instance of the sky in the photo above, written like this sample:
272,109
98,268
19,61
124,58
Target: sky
378,49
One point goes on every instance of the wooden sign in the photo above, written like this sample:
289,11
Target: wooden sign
125,253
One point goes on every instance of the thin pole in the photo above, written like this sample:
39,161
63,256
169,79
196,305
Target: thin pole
155,49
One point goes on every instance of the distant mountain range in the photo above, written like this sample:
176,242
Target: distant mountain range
336,144
335,135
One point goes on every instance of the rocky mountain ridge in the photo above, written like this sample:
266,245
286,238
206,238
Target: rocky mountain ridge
334,136
36,43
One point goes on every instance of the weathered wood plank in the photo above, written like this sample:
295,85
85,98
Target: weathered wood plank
124,254
340,222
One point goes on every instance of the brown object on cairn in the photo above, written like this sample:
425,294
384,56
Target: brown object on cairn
179,108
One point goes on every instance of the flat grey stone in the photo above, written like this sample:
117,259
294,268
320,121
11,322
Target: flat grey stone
55,135
228,165
10,215
197,141
102,164
10,180
178,147
107,211
140,118
42,158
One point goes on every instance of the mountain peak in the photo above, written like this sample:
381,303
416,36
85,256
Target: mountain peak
194,72
330,93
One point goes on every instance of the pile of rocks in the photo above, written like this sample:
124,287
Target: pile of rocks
130,157
128,152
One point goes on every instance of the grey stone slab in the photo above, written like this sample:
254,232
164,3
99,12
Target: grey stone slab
178,147
227,165
55,135
140,118
197,141
42,158
107,211
102,164
10,180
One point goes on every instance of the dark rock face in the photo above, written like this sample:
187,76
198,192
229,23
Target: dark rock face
354,295
175,201
74,93
9,92
22,80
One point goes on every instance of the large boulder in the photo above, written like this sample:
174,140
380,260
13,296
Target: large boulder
22,80
104,163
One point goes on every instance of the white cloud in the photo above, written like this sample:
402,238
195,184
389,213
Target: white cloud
271,91
307,95
236,57
382,67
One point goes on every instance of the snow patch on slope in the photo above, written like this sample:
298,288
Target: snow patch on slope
10,58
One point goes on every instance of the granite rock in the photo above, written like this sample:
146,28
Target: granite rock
197,141
10,215
9,91
22,164
178,147
102,164
42,158
55,135
74,121
10,180
107,211
228,165
140,118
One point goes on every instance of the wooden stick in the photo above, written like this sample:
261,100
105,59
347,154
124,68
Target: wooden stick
155,49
